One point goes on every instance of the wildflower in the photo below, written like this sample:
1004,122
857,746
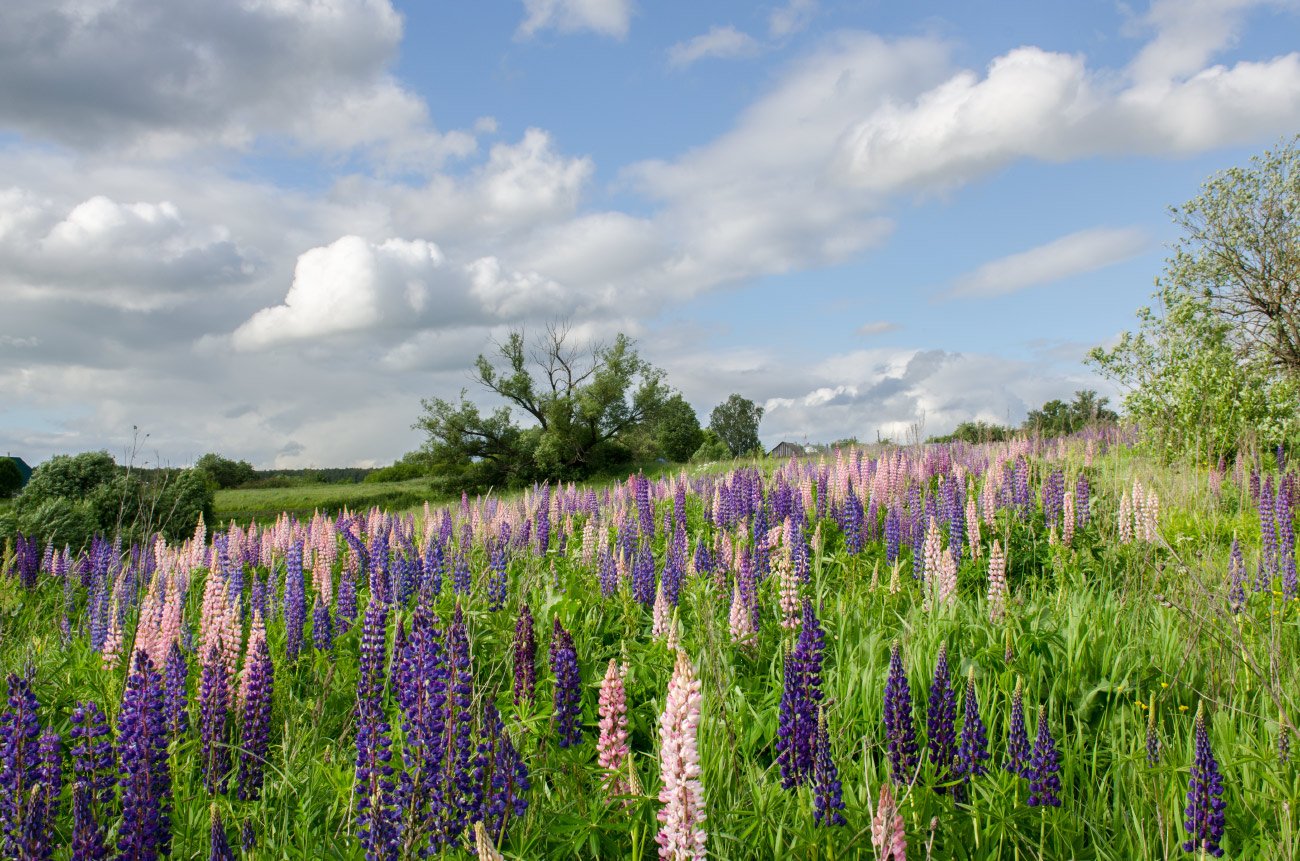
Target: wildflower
295,601
219,847
146,780
828,798
900,733
682,836
941,719
525,658
1044,768
973,750
612,747
93,779
1153,738
175,696
887,828
800,700
1017,761
568,691
214,702
1204,796
997,582
322,628
256,722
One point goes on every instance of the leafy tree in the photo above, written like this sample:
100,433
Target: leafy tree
1057,418
587,407
224,471
735,421
70,476
975,432
1240,252
413,464
11,478
677,430
711,450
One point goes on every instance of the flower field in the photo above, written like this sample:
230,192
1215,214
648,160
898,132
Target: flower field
1038,649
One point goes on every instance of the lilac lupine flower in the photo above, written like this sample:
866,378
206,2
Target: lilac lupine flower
453,801
643,575
422,694
248,837
176,673
20,731
322,628
93,776
295,601
607,571
346,613
145,772
1153,737
498,572
1053,497
1268,557
1082,498
1044,768
973,750
431,568
525,648
900,733
941,722
378,570
370,659
1205,820
800,702
460,573
256,721
1236,578
893,535
219,847
1020,487
828,799
214,702
377,816
506,776
40,808
1286,548
1017,761
568,690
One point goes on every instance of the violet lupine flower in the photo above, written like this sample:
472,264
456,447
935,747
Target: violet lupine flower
1236,578
682,837
214,702
219,847
93,779
458,802
800,702
40,808
1082,497
888,836
900,733
322,628
498,572
612,747
607,571
377,816
973,749
1153,738
20,731
256,721
507,784
248,837
346,613
525,658
1205,803
1268,558
893,535
1044,768
643,575
295,601
370,659
828,798
568,690
1017,761
941,722
460,573
420,685
146,778
176,673
1053,497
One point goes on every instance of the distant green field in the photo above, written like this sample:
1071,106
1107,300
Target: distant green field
265,504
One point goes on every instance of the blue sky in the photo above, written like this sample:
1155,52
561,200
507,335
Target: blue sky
270,228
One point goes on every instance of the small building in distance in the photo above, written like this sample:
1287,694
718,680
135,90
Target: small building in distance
788,449
23,468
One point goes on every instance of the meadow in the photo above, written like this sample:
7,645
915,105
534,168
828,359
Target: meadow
1056,649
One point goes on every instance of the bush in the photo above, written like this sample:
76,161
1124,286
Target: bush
11,478
712,449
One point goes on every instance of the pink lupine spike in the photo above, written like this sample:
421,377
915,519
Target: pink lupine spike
612,747
887,828
682,837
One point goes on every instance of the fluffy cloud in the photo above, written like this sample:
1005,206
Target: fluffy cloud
790,18
1075,254
720,42
606,17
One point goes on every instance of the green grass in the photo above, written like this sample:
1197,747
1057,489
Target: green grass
1094,629
265,504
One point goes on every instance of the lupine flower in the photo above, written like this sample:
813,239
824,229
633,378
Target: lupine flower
93,777
214,702
828,798
568,690
1044,768
1082,497
506,782
256,721
973,750
1153,738
525,658
682,836
20,731
248,837
887,828
997,583
800,700
295,601
483,848
1204,795
740,620
145,773
499,571
1017,761
612,747
1236,578
219,847
175,691
643,575
941,722
377,815
322,628
900,733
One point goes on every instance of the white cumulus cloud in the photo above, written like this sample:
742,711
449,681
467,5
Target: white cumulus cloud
606,17
1075,254
719,42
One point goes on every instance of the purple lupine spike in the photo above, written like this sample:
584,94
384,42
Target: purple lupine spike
93,779
41,807
893,535
900,733
1053,497
1286,541
176,673
255,721
346,613
643,575
1017,761
454,802
800,702
1268,557
525,659
20,761
498,572
828,798
1205,819
322,628
973,750
1044,768
248,837
941,722
1082,498
1236,578
214,704
377,823
431,568
422,695
295,601
219,846
460,574
146,779
607,571
371,656
568,687
506,776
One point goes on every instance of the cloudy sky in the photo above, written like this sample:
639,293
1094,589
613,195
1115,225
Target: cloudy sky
269,227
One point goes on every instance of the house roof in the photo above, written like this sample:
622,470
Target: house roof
22,467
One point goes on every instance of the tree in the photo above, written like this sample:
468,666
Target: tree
11,478
1240,251
711,449
975,432
1057,418
735,421
225,472
586,407
677,430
